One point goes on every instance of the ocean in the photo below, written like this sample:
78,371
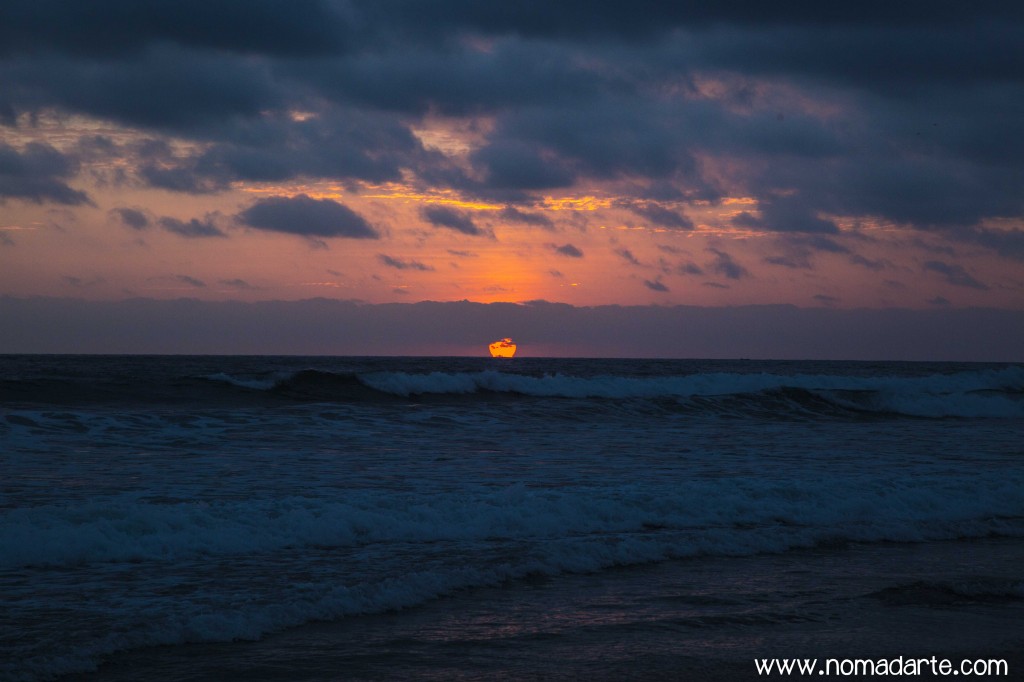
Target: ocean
336,518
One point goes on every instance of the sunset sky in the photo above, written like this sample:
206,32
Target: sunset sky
855,155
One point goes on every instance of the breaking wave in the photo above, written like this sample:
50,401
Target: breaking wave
995,393
725,516
355,555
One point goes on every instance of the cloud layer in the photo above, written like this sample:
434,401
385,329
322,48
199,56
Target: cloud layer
541,328
909,112
306,217
883,138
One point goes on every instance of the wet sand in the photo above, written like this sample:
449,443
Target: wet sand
702,618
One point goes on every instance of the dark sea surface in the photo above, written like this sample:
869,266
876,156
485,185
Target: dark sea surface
280,518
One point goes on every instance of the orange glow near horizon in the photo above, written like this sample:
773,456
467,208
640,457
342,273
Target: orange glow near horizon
446,198
404,192
625,257
584,203
494,279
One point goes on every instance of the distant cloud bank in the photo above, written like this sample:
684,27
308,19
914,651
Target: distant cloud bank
330,327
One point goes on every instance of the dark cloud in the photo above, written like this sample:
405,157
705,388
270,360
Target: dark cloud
662,217
826,299
615,136
689,268
307,217
513,214
343,143
640,21
38,173
453,219
166,87
943,191
119,27
180,180
939,301
1008,243
909,113
794,260
567,250
786,214
628,256
236,283
725,266
405,80
193,228
400,264
191,281
656,285
82,282
868,263
926,51
798,250
132,217
955,274
106,28
515,164
930,246
819,243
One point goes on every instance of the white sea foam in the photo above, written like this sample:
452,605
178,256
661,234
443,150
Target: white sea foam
262,384
986,393
197,522
707,384
424,547
994,393
796,512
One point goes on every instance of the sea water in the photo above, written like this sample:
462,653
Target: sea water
460,518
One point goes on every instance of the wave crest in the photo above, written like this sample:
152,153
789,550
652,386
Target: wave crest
997,393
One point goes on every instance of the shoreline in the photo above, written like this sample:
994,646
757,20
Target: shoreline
700,618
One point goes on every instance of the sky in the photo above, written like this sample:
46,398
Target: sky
839,156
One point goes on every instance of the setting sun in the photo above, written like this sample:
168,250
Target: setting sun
502,349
